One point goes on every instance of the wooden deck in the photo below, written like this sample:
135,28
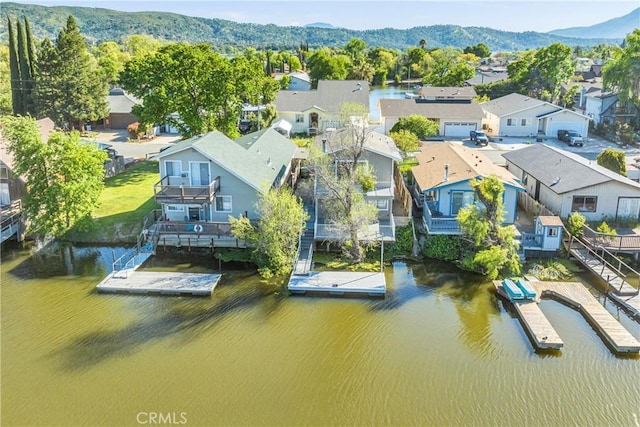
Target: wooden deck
576,295
339,283
159,283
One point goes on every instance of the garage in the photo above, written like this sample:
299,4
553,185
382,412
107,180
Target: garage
459,129
577,127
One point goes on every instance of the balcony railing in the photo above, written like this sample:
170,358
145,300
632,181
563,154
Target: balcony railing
384,229
167,192
381,189
437,224
196,228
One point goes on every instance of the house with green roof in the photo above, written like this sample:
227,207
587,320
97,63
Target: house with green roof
207,178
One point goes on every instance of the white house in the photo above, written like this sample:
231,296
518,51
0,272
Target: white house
313,111
298,80
519,115
566,182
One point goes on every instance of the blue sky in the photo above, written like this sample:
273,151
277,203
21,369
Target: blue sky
513,15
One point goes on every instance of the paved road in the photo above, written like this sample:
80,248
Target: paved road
135,150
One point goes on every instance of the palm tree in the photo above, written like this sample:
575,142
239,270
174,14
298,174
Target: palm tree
422,43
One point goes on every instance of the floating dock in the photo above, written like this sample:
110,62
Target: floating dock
339,283
159,283
576,295
630,304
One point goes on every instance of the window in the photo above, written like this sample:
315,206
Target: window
4,172
525,122
381,204
173,167
223,204
584,204
511,122
299,118
175,208
552,232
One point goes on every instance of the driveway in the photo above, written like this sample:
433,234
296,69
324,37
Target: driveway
135,150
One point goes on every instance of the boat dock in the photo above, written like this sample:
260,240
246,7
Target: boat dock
575,295
127,279
339,283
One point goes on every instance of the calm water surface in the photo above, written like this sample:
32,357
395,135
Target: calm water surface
441,349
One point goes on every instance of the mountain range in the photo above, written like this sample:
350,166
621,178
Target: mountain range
98,24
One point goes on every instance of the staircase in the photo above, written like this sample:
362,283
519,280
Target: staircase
302,265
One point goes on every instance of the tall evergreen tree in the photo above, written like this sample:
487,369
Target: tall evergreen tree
16,81
68,81
25,70
31,47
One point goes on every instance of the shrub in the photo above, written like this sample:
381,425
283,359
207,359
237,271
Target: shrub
604,228
575,223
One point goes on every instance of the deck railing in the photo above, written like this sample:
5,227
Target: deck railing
217,229
437,224
612,242
166,192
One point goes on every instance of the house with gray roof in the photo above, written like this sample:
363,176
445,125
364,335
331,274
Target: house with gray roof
120,105
566,182
520,115
452,107
207,178
298,80
313,111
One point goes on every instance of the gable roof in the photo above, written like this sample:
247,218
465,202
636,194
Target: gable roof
328,97
447,92
513,103
432,110
375,142
563,171
255,158
463,164
120,102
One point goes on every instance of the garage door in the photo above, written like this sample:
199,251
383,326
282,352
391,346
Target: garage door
577,127
458,129
628,208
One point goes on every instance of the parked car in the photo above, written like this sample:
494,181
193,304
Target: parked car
244,126
571,137
479,137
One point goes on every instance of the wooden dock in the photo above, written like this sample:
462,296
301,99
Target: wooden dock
159,283
575,295
630,304
339,283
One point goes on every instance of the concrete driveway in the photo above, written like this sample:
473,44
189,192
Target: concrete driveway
135,150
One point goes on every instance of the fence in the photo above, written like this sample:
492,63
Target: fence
532,206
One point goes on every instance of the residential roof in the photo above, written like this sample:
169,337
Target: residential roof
120,102
296,74
550,221
432,110
45,127
464,163
375,142
482,77
448,92
512,103
328,97
563,171
255,158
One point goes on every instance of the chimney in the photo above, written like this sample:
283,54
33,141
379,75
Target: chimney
446,171
324,145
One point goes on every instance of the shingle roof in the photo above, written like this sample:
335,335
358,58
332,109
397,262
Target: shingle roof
511,103
464,164
463,92
375,142
121,102
433,110
328,97
255,158
569,171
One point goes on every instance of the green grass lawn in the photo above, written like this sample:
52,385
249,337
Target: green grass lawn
125,200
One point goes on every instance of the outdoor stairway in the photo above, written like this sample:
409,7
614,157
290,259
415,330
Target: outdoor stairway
303,263
612,276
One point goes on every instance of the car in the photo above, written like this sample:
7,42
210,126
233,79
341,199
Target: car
244,126
479,137
571,137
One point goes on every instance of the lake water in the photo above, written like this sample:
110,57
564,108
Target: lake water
440,349
377,93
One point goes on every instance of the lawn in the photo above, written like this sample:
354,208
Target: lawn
125,200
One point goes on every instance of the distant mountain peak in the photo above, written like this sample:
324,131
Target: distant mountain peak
616,28
320,25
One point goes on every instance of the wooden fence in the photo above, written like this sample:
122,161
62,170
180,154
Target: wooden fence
531,206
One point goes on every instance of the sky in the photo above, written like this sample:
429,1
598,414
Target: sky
513,15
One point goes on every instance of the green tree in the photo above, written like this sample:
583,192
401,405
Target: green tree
614,160
323,64
480,50
6,107
15,79
383,61
405,140
622,72
111,60
447,67
64,176
339,170
575,225
67,89
496,249
274,239
418,125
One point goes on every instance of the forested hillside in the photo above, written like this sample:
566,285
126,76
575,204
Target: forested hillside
98,25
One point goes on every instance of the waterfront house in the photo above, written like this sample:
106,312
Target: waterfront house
523,116
207,178
441,184
453,108
311,112
566,182
381,154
